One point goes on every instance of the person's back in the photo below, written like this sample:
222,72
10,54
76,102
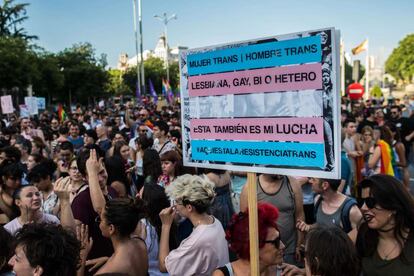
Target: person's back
130,259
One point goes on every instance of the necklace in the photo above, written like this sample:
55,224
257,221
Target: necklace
389,253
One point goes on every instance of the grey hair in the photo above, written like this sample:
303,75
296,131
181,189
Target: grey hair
192,188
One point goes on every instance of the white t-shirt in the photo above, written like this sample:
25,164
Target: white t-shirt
14,225
201,253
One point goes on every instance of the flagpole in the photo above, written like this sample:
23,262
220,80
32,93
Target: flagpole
367,72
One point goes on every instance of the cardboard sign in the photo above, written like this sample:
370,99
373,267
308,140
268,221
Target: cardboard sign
268,105
31,103
7,104
41,103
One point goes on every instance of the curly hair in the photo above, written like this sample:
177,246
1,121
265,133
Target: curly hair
195,190
328,248
237,233
50,246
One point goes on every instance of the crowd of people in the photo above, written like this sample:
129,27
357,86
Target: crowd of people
104,192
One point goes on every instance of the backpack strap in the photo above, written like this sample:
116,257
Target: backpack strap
346,209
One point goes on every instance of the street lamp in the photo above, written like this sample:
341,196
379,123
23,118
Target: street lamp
134,3
164,19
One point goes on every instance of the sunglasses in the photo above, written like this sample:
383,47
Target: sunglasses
369,201
275,242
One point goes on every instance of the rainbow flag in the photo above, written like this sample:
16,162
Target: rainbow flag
61,113
387,158
167,91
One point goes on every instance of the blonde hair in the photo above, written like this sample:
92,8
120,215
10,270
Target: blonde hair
192,189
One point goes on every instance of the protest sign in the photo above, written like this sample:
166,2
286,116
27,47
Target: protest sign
31,104
24,111
7,104
268,105
41,103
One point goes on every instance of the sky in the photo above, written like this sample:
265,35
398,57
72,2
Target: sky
108,24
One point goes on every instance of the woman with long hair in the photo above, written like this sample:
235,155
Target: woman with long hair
155,200
385,241
151,165
10,182
400,155
382,157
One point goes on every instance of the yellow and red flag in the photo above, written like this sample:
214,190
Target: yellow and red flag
360,48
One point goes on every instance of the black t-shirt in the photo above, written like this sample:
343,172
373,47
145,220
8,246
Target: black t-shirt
366,123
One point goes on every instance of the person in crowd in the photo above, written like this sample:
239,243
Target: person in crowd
117,177
77,182
151,165
175,137
405,127
328,252
206,248
10,153
351,146
45,249
368,121
222,207
41,176
103,140
75,138
88,204
6,252
39,146
25,148
346,171
284,193
270,245
156,200
90,137
65,155
382,158
63,137
161,142
122,150
33,160
10,182
400,156
29,201
117,221
171,165
332,208
367,143
142,143
380,117
385,240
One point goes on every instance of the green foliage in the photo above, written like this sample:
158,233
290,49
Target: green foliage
400,64
115,84
154,71
376,91
84,74
11,17
18,66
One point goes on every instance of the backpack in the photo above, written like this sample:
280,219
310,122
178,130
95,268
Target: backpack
348,204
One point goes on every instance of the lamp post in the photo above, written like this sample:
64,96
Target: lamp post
134,3
165,19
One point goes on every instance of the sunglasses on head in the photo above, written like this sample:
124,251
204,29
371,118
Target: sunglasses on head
369,201
275,242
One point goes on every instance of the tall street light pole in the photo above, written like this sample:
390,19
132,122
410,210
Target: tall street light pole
164,19
134,3
141,45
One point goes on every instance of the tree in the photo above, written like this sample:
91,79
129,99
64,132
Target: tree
84,73
400,64
116,85
154,71
11,17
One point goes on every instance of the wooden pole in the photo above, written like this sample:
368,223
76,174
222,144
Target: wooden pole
253,228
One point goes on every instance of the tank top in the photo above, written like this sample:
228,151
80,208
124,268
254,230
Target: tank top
284,200
330,219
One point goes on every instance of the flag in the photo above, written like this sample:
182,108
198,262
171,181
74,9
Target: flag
61,113
164,88
153,92
169,92
360,48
